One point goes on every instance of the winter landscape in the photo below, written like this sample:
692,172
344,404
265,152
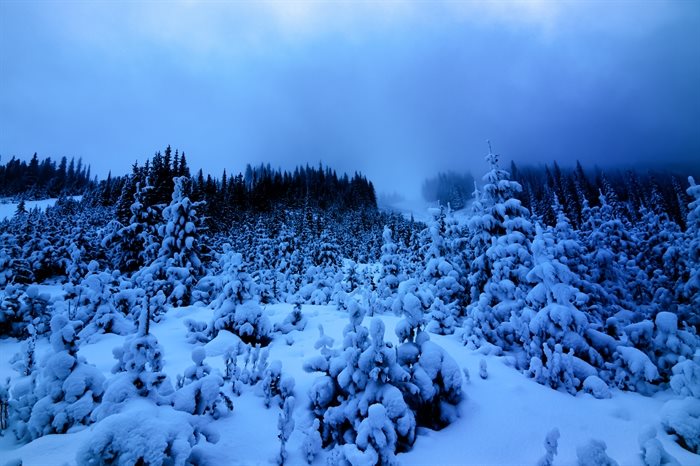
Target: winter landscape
365,290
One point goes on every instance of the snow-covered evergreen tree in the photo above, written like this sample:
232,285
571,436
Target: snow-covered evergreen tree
68,389
178,261
138,372
285,425
200,390
364,372
497,276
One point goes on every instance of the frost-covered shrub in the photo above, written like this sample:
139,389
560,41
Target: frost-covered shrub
138,373
682,419
232,282
634,370
653,452
663,340
557,370
437,378
593,454
440,274
442,321
68,389
483,369
200,391
245,320
275,384
671,344
251,369
376,438
197,332
294,321
551,444
685,380
390,260
11,320
312,442
22,307
413,302
596,387
153,437
94,304
285,426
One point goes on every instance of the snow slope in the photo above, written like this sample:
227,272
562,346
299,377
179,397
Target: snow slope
503,419
7,209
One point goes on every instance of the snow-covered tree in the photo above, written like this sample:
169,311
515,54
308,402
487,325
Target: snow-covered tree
200,390
248,321
390,260
364,372
68,389
93,301
285,425
555,326
178,261
502,231
138,372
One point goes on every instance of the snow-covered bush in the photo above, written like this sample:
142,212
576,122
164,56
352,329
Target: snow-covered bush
247,320
294,321
376,438
596,387
138,372
363,373
200,391
593,454
551,444
390,260
34,310
685,380
285,425
413,302
197,332
275,384
682,419
442,321
232,283
312,441
13,322
653,452
68,389
634,370
94,304
557,370
149,435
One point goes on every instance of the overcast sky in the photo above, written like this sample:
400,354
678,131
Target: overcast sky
398,90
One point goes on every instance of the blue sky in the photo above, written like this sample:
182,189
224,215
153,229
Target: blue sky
398,90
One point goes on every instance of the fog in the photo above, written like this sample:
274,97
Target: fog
398,91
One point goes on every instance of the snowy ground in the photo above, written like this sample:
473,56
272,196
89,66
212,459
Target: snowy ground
504,419
8,209
419,209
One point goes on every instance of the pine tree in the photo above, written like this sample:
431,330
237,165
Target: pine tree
178,260
68,388
503,233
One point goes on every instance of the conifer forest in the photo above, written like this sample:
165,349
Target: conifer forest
585,283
